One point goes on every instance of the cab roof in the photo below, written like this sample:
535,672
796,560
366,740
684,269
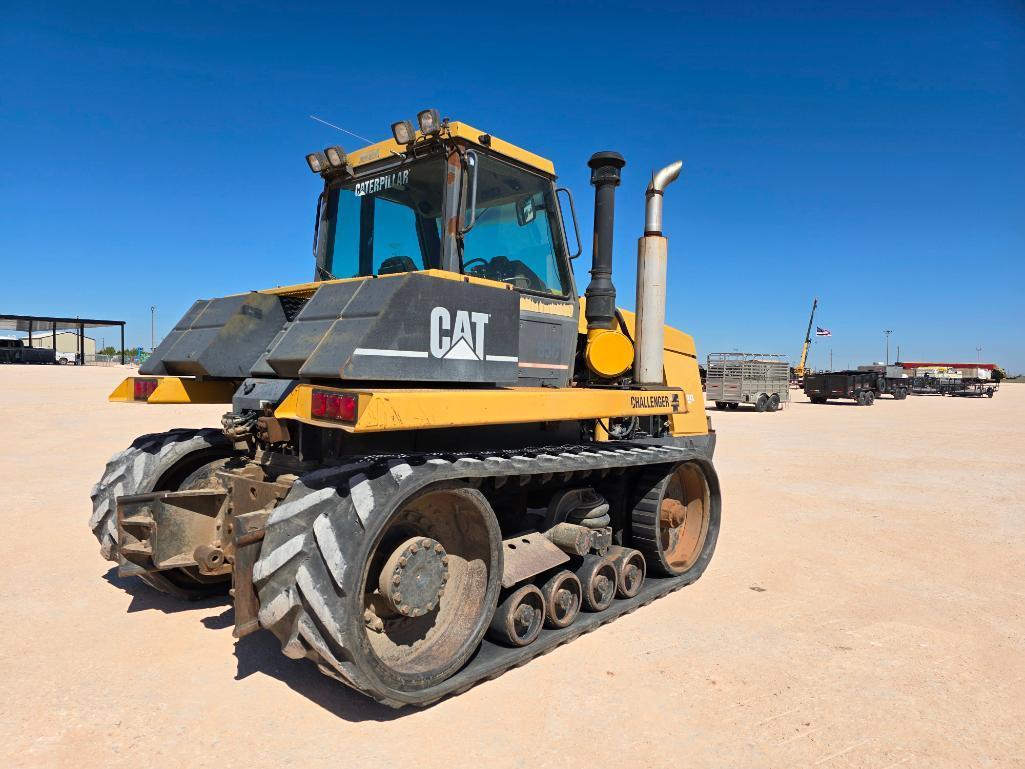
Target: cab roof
457,131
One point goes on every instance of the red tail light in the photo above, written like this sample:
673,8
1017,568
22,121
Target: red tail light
143,388
339,407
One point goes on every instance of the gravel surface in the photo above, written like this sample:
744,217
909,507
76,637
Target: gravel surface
864,609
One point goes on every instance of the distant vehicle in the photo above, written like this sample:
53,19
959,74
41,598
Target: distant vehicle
859,386
15,351
760,380
955,385
973,388
891,380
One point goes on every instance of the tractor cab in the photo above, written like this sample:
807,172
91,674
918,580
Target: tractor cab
447,197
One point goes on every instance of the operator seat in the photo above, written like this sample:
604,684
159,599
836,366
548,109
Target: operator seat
396,264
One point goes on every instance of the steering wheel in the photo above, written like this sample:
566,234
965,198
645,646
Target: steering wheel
483,262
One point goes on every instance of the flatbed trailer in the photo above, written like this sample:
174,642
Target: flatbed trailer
972,388
761,380
859,386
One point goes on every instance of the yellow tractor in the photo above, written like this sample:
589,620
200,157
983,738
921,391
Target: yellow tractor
437,460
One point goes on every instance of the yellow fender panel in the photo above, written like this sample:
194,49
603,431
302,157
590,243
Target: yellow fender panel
385,410
171,389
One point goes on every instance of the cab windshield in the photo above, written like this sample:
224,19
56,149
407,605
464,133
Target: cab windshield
384,224
392,222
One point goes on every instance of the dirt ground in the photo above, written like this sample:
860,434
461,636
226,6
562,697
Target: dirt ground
864,609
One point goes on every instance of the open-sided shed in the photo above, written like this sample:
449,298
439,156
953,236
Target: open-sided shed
41,325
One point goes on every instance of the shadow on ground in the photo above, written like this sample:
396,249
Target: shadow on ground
261,653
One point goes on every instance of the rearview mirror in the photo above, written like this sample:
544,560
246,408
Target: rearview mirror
525,210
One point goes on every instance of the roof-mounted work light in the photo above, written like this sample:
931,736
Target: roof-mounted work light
335,156
430,121
403,132
317,161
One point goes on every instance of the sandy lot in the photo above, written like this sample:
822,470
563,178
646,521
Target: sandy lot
864,609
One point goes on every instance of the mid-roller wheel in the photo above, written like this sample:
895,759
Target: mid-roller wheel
598,580
563,596
519,617
630,570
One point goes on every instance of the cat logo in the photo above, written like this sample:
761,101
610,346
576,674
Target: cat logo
461,340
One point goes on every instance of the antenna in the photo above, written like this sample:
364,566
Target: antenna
343,130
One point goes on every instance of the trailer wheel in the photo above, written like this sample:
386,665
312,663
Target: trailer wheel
720,405
774,402
870,398
989,392
733,406
762,403
860,398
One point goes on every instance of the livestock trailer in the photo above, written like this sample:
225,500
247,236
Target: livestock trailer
733,378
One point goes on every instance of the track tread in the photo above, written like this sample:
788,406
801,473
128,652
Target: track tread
310,553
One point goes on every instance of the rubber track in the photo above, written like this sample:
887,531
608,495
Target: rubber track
310,556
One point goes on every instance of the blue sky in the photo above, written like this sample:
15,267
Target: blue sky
869,154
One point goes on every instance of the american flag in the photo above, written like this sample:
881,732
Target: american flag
819,331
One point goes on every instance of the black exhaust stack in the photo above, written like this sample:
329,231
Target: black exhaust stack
600,293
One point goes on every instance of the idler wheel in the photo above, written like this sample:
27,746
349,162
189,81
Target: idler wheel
597,578
414,576
563,596
519,617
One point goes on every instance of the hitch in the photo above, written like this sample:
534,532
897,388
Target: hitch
164,530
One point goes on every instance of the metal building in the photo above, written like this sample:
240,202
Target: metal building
38,326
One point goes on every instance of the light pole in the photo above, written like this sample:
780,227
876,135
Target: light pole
978,354
152,327
888,332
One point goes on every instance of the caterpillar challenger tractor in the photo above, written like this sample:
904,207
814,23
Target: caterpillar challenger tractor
437,460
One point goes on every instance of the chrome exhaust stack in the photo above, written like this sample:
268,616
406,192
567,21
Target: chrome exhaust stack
652,263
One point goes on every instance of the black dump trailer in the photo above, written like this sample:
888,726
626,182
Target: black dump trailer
891,380
859,386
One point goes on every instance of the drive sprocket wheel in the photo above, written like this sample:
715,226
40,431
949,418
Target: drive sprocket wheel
391,600
675,519
177,460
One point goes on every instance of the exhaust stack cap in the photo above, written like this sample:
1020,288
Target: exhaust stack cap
605,167
653,196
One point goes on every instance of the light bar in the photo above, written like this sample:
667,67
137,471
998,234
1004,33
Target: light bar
403,132
335,156
317,161
430,121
